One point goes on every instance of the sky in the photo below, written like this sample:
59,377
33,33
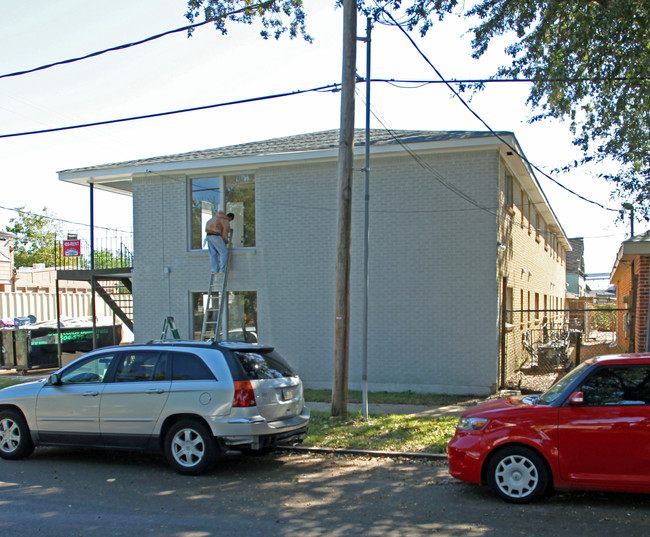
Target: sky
177,72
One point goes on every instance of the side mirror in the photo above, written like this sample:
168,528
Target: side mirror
53,379
577,399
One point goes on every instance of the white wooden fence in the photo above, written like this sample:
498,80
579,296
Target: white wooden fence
43,305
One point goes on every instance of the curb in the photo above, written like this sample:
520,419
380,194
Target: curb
367,453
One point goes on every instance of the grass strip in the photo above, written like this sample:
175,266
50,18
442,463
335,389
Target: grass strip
388,432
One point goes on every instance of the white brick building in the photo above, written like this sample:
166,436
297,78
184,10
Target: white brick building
436,216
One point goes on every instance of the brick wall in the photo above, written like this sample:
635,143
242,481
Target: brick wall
433,300
532,264
642,269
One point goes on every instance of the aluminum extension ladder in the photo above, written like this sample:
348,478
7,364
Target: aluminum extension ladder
213,310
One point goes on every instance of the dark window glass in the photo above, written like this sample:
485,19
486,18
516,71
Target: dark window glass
91,370
136,366
264,366
189,367
628,385
161,372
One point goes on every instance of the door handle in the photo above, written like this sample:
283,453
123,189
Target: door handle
91,394
157,390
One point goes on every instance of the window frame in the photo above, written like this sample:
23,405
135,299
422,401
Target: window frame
224,204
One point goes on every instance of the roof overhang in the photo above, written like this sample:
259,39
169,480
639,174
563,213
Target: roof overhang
118,177
629,250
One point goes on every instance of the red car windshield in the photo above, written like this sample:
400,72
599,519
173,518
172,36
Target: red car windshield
554,392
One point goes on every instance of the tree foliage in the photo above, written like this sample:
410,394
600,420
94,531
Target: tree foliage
591,64
589,59
35,236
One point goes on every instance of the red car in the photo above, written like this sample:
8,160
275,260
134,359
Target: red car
591,430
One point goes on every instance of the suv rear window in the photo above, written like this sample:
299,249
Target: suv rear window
264,366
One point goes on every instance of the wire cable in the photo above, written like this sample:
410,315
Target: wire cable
328,87
129,45
484,123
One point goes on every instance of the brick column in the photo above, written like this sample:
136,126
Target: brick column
642,300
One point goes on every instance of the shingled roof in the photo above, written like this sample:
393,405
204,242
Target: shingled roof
316,141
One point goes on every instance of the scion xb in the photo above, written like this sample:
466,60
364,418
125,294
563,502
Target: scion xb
591,430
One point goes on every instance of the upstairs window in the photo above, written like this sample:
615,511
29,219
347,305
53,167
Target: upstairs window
229,193
509,190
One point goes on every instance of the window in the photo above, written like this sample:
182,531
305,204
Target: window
206,200
264,366
509,304
509,190
524,208
240,315
240,200
232,194
629,385
92,370
534,217
186,366
139,366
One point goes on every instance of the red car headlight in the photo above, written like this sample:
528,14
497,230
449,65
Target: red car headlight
471,424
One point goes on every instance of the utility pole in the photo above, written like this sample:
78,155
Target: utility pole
344,207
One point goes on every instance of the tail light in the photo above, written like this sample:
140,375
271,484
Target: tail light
244,394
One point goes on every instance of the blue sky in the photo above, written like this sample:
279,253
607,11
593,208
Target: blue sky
178,72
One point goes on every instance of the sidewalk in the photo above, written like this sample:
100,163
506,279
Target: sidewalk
419,410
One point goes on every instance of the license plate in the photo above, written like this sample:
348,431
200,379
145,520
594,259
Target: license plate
288,393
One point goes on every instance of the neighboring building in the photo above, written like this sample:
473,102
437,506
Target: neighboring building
575,269
631,275
460,235
6,261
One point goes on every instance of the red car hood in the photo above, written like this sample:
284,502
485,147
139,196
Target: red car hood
496,405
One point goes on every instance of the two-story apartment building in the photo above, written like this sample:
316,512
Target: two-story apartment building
455,219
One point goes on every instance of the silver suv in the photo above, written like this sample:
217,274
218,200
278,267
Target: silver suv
191,400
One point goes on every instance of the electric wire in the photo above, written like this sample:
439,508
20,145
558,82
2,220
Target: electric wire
57,219
325,88
129,45
484,123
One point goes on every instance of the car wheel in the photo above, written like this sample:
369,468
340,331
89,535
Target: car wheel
190,447
15,439
517,475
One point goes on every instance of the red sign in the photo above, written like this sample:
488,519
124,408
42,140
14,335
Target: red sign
72,248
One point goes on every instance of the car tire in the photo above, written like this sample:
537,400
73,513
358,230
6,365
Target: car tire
15,438
517,474
190,447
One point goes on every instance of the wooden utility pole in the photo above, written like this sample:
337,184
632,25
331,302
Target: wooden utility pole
344,206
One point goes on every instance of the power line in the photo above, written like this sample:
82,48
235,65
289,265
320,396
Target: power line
135,43
469,108
325,88
56,219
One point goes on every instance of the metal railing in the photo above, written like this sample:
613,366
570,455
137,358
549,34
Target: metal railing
110,252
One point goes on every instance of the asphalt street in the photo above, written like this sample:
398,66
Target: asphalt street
64,493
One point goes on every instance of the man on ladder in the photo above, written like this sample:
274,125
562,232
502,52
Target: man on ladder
217,231
218,235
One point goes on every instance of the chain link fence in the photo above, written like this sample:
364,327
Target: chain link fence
540,346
